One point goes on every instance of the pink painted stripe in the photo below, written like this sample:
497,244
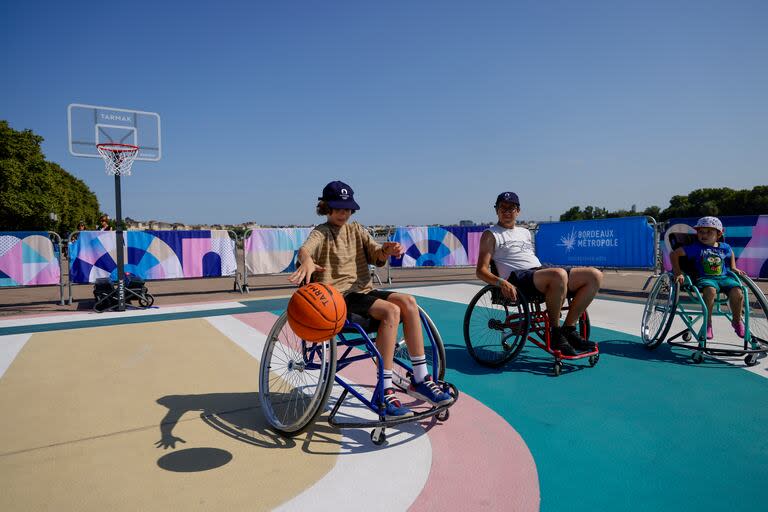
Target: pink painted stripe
479,462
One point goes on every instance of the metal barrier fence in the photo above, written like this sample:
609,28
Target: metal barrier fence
153,255
31,258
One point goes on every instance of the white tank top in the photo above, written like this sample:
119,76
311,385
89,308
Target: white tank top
514,250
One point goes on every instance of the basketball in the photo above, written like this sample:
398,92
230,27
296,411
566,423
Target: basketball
316,312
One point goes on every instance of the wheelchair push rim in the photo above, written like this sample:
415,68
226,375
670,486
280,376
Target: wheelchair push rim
295,378
659,311
495,328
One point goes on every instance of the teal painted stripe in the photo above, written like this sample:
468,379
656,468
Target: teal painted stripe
250,307
739,231
642,430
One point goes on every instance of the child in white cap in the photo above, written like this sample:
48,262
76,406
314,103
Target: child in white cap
712,259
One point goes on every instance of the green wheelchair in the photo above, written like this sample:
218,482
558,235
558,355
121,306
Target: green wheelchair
668,299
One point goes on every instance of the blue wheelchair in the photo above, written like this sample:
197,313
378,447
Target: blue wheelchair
668,299
297,376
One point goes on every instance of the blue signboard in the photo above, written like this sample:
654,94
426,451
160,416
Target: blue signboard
625,242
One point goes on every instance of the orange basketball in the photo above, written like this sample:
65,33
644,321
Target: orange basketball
316,312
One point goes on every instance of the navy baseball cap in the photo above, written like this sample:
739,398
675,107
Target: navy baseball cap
338,194
507,197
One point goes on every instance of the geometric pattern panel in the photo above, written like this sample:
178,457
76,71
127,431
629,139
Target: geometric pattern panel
273,250
446,246
153,255
28,259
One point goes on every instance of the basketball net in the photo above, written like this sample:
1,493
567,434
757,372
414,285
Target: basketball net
118,158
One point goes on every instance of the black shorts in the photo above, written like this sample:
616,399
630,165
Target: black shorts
360,303
523,279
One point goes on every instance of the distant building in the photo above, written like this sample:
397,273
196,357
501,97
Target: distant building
466,223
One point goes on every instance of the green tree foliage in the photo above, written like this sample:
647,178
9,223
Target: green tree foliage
31,188
704,201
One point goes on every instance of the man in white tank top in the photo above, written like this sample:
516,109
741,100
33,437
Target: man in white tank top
511,248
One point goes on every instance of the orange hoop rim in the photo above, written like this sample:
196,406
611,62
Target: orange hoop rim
117,148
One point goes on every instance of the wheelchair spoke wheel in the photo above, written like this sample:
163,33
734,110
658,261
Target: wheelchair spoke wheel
495,328
659,311
758,311
435,356
295,378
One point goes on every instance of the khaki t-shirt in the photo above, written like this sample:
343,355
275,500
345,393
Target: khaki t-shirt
345,253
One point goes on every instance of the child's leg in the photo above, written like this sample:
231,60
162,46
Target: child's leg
736,301
709,294
389,316
409,313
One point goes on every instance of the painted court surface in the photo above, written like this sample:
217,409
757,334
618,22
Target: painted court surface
158,410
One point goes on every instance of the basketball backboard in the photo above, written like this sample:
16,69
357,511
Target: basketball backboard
89,125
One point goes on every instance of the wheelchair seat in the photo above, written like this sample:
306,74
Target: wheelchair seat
367,323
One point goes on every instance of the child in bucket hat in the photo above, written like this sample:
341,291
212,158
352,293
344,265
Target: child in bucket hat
712,259
338,253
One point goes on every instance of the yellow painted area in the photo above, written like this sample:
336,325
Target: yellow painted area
89,413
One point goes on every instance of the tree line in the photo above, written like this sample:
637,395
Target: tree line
32,188
720,202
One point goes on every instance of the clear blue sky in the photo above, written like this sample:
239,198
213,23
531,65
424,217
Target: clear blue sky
427,108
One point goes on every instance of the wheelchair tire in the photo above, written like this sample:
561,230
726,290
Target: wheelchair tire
758,312
659,311
295,378
495,328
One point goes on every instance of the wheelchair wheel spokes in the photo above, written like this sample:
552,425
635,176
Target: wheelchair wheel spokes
295,379
659,311
403,358
495,329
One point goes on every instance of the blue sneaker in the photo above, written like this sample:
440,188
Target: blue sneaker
395,408
429,391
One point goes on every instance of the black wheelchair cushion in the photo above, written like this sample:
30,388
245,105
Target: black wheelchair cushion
367,323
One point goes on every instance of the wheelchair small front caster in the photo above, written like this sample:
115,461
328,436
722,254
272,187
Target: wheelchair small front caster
750,360
557,368
594,359
687,336
378,436
697,357
443,415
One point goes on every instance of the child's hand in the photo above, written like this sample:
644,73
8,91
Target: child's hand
392,249
739,272
303,274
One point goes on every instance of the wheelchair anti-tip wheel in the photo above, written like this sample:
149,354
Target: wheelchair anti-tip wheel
295,378
495,328
378,436
659,311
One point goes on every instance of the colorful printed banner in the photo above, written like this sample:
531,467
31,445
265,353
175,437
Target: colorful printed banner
747,234
625,242
447,246
28,258
270,251
153,255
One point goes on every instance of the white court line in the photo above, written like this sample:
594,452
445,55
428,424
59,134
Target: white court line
382,478
10,346
607,314
88,316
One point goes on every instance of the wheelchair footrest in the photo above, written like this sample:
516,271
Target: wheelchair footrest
382,422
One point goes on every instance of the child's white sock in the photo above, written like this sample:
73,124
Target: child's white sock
387,379
420,369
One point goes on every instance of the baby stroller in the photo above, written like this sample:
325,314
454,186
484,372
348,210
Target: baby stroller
105,292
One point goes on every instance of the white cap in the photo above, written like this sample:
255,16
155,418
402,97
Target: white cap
709,222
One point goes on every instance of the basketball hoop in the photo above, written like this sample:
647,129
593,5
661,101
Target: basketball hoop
118,158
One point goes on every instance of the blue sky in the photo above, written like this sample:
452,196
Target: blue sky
427,108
